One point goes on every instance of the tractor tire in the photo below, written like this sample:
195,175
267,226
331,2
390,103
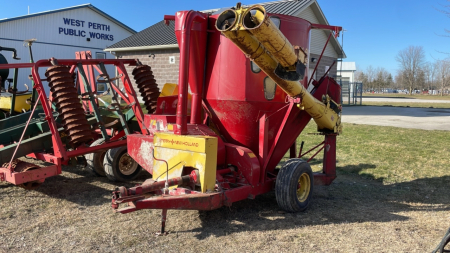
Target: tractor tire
119,166
294,186
94,161
445,247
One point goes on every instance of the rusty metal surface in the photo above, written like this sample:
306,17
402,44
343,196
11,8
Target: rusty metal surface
193,178
148,88
65,96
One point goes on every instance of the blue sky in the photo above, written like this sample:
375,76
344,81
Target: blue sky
376,30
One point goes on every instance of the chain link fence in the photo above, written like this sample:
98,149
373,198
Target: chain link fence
351,93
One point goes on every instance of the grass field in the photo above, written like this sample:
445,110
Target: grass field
391,195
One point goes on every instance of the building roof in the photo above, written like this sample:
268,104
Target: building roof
162,36
346,66
90,6
158,34
285,7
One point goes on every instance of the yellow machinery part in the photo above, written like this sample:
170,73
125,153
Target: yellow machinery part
21,102
169,89
199,152
256,21
324,117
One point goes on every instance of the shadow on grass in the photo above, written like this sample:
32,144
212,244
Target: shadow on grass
6,185
82,187
350,199
355,169
77,190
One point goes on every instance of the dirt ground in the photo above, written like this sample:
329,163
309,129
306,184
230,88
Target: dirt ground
71,213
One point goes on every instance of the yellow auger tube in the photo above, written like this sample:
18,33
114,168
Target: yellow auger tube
230,24
256,21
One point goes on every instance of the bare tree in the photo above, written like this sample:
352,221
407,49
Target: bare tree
399,80
437,78
411,60
421,80
443,71
430,74
433,75
360,76
378,80
370,75
389,80
383,79
446,10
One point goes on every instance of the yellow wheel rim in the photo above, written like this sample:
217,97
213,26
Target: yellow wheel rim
303,188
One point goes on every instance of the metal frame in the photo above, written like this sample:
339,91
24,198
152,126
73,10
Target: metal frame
61,155
355,97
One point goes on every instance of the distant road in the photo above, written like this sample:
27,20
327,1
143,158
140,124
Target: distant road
405,117
406,100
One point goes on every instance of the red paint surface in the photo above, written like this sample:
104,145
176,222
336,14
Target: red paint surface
235,95
190,29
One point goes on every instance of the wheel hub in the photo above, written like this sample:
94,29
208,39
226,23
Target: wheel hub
303,187
127,165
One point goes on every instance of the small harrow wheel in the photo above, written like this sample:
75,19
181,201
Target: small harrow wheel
119,166
32,185
94,161
294,186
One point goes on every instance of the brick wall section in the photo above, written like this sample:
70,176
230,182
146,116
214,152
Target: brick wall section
325,61
163,71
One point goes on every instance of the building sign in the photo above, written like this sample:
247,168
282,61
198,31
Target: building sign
86,29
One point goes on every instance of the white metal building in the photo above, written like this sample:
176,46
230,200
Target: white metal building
60,33
346,70
346,77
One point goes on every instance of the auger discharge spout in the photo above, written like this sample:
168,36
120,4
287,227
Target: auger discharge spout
255,34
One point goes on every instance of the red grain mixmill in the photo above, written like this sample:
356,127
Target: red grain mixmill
246,70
